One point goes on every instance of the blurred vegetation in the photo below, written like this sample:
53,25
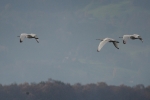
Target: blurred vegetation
57,90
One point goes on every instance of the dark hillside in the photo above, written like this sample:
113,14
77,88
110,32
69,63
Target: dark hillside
57,90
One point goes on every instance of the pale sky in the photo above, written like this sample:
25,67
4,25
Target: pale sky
67,50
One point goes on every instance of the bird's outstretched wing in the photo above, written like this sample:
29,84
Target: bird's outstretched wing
22,36
140,38
36,38
116,45
102,43
125,37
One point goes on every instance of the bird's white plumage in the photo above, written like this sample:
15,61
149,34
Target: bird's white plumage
104,41
101,44
125,37
24,35
134,36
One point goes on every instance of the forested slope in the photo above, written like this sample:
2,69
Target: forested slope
57,90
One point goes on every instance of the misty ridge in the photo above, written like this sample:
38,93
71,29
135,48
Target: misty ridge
57,90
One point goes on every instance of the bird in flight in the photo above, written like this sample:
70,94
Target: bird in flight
24,35
104,41
133,37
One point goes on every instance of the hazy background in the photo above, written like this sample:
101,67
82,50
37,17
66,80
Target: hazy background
67,51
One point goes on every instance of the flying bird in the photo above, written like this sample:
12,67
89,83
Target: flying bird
24,35
104,41
133,37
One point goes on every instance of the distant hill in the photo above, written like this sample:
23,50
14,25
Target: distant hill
57,90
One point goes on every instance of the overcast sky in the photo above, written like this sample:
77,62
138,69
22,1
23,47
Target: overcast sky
67,50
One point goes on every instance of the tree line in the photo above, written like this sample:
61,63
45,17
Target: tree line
57,90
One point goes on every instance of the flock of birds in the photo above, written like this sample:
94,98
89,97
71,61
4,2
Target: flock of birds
101,44
125,37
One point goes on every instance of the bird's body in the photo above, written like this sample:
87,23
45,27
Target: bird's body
104,41
133,37
24,35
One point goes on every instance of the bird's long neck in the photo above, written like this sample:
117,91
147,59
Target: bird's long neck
120,37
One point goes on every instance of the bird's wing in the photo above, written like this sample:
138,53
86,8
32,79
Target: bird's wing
135,34
30,36
37,40
116,45
35,36
102,43
22,36
141,39
125,37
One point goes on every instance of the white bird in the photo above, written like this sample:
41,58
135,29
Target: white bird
133,37
104,41
24,35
